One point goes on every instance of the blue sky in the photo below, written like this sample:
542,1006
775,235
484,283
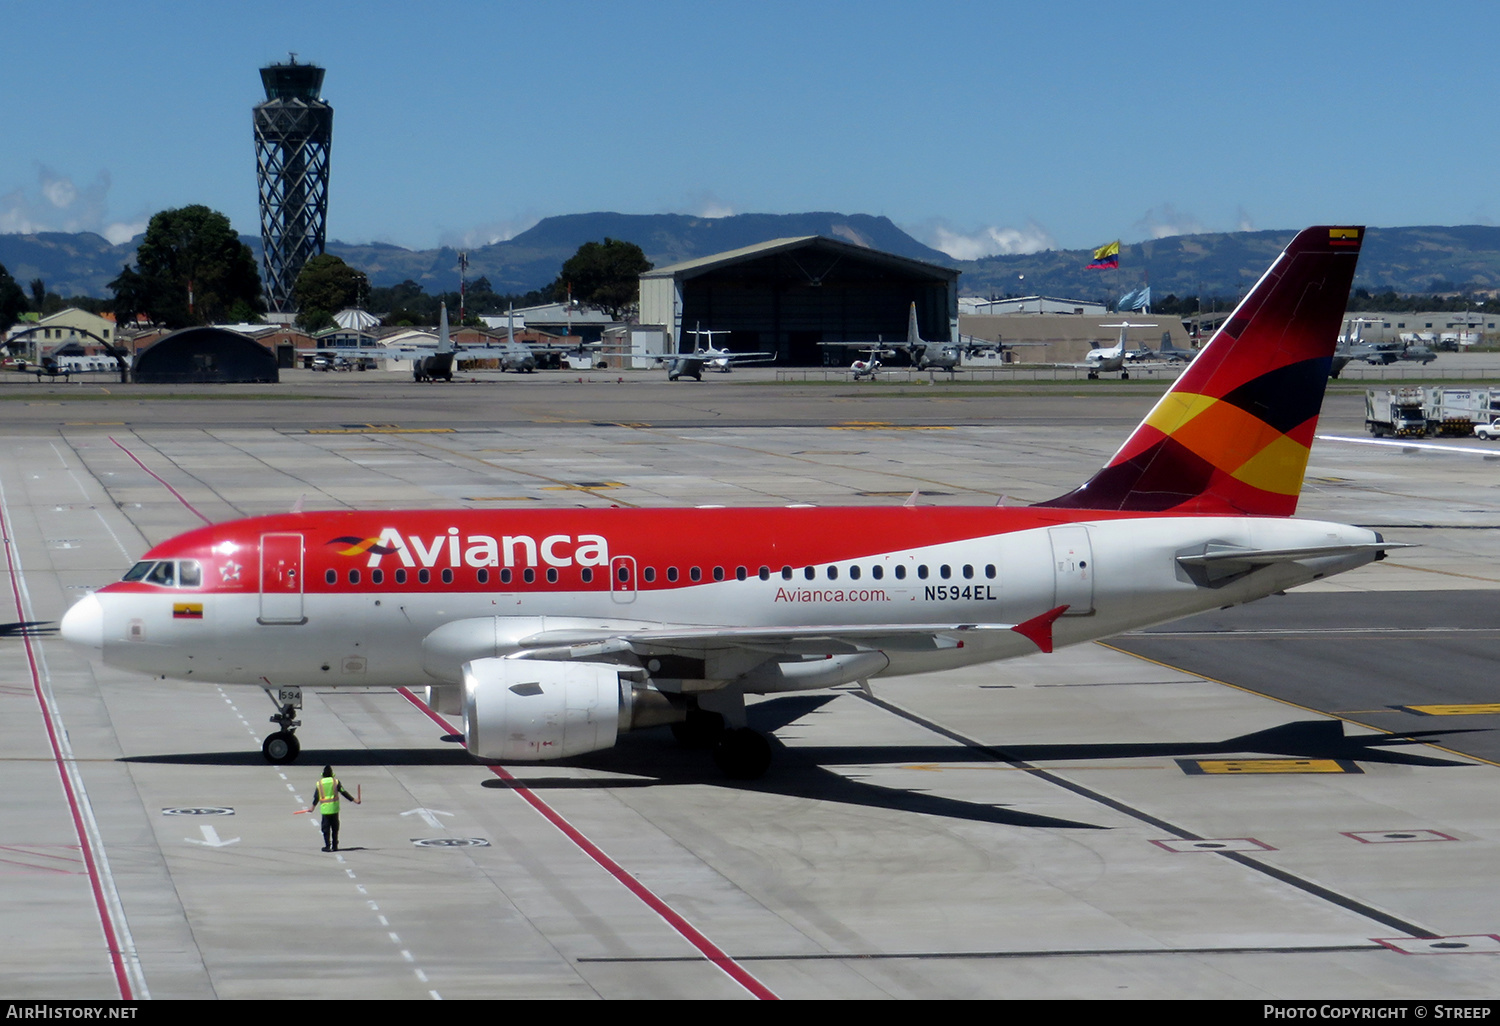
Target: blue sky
977,127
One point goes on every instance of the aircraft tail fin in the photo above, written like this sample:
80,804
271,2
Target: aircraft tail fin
912,337
1233,434
445,341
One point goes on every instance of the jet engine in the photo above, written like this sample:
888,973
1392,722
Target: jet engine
536,709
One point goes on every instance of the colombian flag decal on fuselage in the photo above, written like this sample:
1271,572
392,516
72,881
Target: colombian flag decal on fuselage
187,610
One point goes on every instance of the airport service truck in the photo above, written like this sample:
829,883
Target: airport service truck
1400,412
1456,411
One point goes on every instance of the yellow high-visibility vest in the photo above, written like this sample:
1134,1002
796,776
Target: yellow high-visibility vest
328,796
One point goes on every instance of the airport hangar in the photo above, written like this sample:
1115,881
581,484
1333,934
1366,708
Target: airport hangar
789,295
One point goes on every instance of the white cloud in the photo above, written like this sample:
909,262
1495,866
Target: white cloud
988,241
1242,220
489,233
59,205
703,204
1160,222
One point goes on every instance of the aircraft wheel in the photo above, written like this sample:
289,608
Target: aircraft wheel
281,747
701,729
743,754
1124,375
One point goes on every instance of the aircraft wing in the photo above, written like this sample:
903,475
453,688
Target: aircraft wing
811,639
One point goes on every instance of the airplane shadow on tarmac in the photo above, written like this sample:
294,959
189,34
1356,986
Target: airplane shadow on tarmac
652,759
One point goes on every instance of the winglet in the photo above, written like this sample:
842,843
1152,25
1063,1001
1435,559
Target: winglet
1038,630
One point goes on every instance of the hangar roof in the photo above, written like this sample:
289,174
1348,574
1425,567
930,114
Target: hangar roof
703,265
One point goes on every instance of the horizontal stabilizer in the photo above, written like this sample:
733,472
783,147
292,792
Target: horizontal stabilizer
1222,561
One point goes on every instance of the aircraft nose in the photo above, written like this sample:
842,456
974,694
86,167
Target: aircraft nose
84,623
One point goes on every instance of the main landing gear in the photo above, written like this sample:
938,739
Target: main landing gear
742,753
283,746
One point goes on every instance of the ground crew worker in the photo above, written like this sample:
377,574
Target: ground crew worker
326,801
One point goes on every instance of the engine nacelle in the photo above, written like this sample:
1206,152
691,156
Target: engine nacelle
530,710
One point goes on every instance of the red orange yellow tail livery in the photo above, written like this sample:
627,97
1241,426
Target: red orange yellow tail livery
1233,434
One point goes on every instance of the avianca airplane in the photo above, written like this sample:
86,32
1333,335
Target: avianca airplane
553,630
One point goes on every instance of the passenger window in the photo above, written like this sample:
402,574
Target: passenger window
877,571
528,575
922,571
423,575
945,571
765,573
505,576
552,575
739,573
968,572
672,573
587,574
989,571
811,573
786,573
331,577
900,571
694,574
833,573
483,576
377,576
401,576
447,576
353,576
649,574
718,573
854,573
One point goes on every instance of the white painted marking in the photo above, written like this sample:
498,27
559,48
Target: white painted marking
211,838
429,816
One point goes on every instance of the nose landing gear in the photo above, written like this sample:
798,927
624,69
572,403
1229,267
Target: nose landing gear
283,746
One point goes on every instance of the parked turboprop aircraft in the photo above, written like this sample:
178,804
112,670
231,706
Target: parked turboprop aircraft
1100,360
705,355
439,364
924,355
554,630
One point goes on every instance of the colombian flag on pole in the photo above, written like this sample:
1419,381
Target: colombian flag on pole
1106,257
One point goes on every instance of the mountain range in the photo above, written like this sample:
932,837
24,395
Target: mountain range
1406,260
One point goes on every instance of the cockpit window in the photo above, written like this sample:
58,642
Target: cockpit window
139,571
167,573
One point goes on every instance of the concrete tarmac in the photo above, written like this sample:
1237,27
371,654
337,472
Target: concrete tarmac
1219,815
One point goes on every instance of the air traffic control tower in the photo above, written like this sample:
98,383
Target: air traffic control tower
293,136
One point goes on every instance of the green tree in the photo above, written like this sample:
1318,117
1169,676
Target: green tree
191,268
12,300
326,286
606,275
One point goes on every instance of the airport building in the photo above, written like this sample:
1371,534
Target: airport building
793,296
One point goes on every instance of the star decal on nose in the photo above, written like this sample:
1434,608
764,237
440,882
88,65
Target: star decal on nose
229,572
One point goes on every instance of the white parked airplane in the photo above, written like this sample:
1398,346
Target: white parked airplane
554,630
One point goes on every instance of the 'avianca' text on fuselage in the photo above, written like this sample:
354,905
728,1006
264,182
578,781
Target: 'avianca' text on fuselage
478,550
553,630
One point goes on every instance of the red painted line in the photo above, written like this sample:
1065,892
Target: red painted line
168,487
106,922
690,933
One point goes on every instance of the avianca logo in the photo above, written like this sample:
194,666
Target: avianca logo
558,550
